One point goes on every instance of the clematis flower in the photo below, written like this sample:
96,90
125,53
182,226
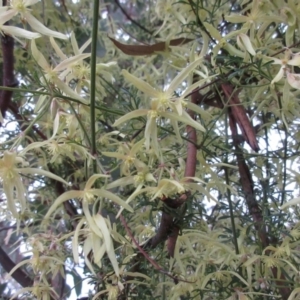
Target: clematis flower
99,235
52,74
127,152
164,105
286,60
97,239
10,175
21,7
88,196
12,30
80,70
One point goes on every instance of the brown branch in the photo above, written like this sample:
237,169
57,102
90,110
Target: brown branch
165,228
8,79
253,206
152,262
19,275
238,113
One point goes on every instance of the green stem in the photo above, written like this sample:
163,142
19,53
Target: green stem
229,192
93,81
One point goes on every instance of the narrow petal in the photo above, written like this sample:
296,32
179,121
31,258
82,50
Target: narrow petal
121,182
84,46
235,18
131,115
278,76
203,113
140,84
213,31
183,74
16,31
57,49
185,118
87,247
295,61
75,242
99,220
39,57
6,15
114,154
8,189
174,124
71,60
137,191
69,92
43,173
74,44
93,178
244,42
137,146
111,196
61,199
150,131
39,27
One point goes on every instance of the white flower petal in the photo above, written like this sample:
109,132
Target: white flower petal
70,61
140,84
244,42
6,15
183,74
68,91
295,61
111,196
99,220
294,201
61,199
74,44
93,178
294,80
84,46
278,76
39,57
57,49
131,115
16,31
39,27
43,173
185,118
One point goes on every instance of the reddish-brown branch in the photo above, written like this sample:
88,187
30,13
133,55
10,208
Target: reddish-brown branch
239,115
153,262
8,78
163,231
253,206
19,275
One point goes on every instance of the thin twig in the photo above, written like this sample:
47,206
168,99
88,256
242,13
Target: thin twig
130,19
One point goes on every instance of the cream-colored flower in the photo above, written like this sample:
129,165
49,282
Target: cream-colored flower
288,59
21,7
88,196
163,104
52,74
10,175
12,30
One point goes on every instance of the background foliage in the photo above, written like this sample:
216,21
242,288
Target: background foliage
149,149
